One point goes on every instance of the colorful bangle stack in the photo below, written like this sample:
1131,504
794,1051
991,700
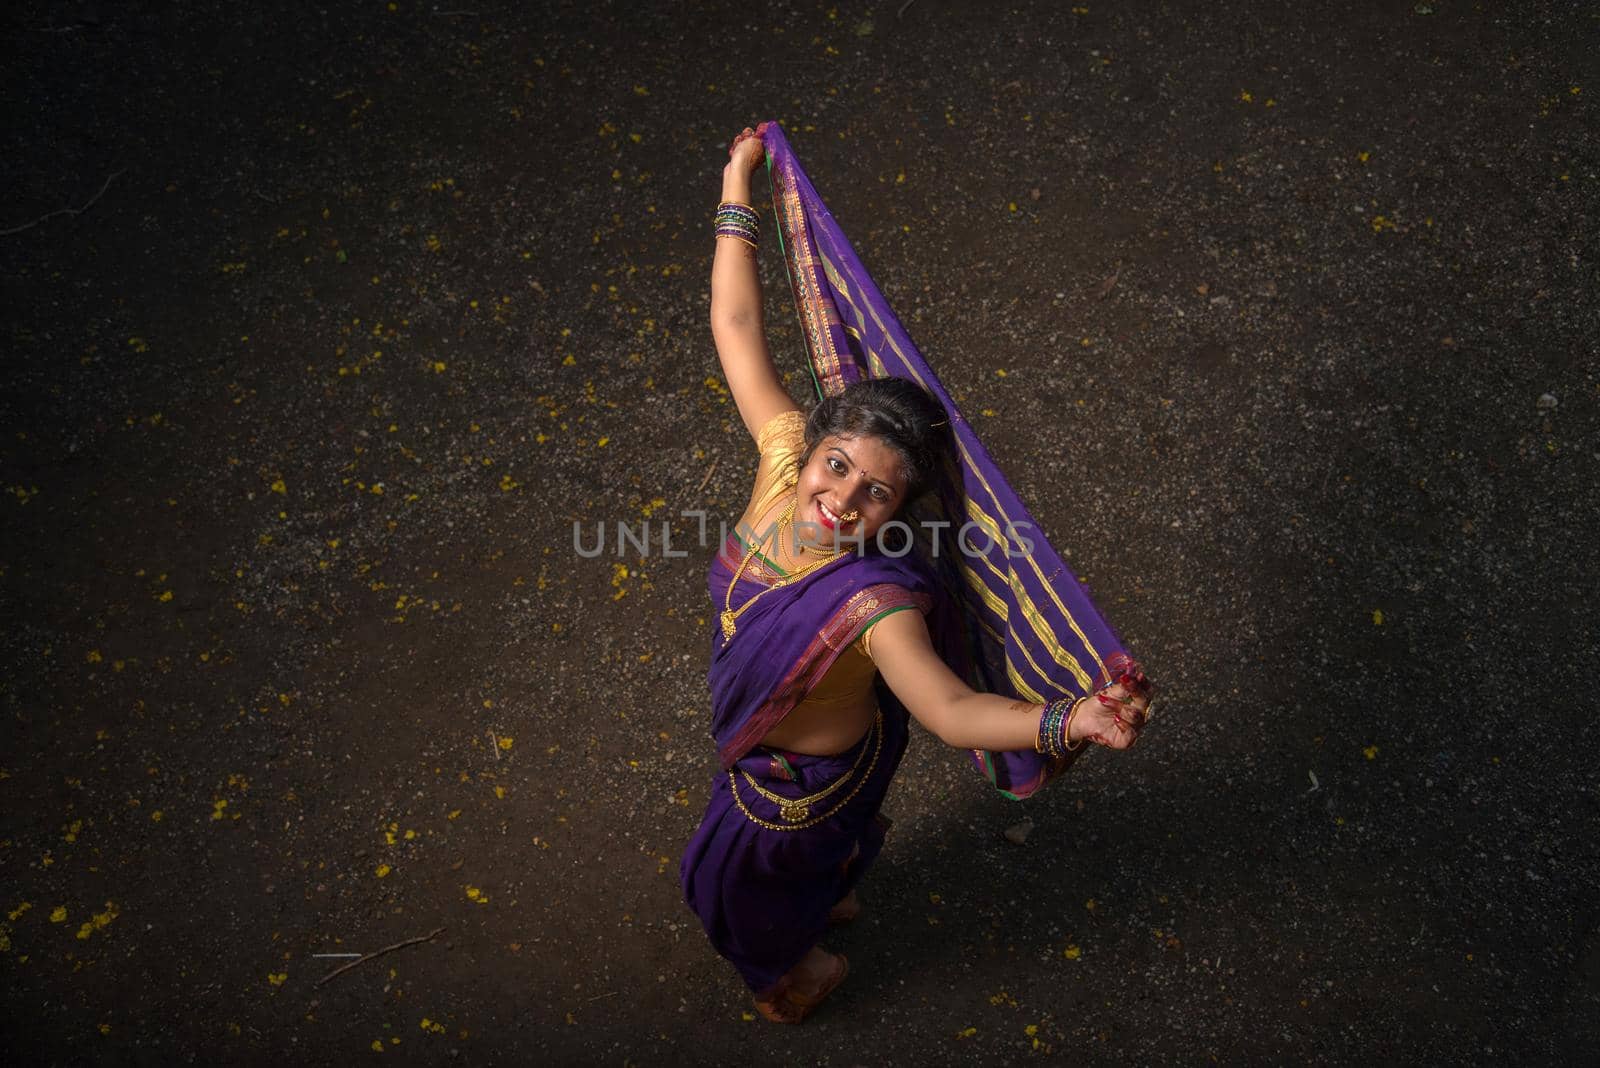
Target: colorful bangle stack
1054,725
738,221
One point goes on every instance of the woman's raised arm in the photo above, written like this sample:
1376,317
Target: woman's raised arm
736,323
967,719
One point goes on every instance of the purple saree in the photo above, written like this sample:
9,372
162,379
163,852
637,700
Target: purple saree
761,874
1005,613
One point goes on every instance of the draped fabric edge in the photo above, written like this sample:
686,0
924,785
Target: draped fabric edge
1077,649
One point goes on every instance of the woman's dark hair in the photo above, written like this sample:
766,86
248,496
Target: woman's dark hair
898,412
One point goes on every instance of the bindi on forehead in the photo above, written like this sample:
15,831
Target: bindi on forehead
881,455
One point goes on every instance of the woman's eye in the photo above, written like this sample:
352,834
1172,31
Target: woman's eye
835,465
878,494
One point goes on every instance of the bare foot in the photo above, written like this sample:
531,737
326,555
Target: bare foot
814,971
805,986
847,909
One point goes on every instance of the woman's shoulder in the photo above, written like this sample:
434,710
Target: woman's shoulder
883,597
784,432
781,441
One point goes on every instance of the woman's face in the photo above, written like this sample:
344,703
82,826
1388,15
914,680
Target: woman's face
849,488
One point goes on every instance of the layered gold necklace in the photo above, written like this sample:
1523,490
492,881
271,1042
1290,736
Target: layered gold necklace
730,615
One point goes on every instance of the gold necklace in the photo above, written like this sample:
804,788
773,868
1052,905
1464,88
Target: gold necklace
877,747
730,615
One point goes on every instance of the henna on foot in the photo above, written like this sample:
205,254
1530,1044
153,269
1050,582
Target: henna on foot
805,987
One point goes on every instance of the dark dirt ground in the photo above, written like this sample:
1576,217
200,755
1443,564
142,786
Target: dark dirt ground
381,298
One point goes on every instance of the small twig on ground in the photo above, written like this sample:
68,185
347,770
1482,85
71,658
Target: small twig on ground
709,472
1110,283
429,937
319,956
64,211
494,744
238,176
902,11
608,994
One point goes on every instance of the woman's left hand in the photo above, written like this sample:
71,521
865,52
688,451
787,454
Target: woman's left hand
1114,716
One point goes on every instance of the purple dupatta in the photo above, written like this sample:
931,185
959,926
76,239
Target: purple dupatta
1028,627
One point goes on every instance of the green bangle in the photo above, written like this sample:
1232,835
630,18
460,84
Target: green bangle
1066,730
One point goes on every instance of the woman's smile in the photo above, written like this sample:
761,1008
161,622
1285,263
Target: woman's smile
839,497
831,520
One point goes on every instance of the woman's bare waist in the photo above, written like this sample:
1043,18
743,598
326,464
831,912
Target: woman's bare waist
822,730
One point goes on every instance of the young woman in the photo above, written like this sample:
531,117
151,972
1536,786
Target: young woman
824,645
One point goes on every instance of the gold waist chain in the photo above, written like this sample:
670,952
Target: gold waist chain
796,811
